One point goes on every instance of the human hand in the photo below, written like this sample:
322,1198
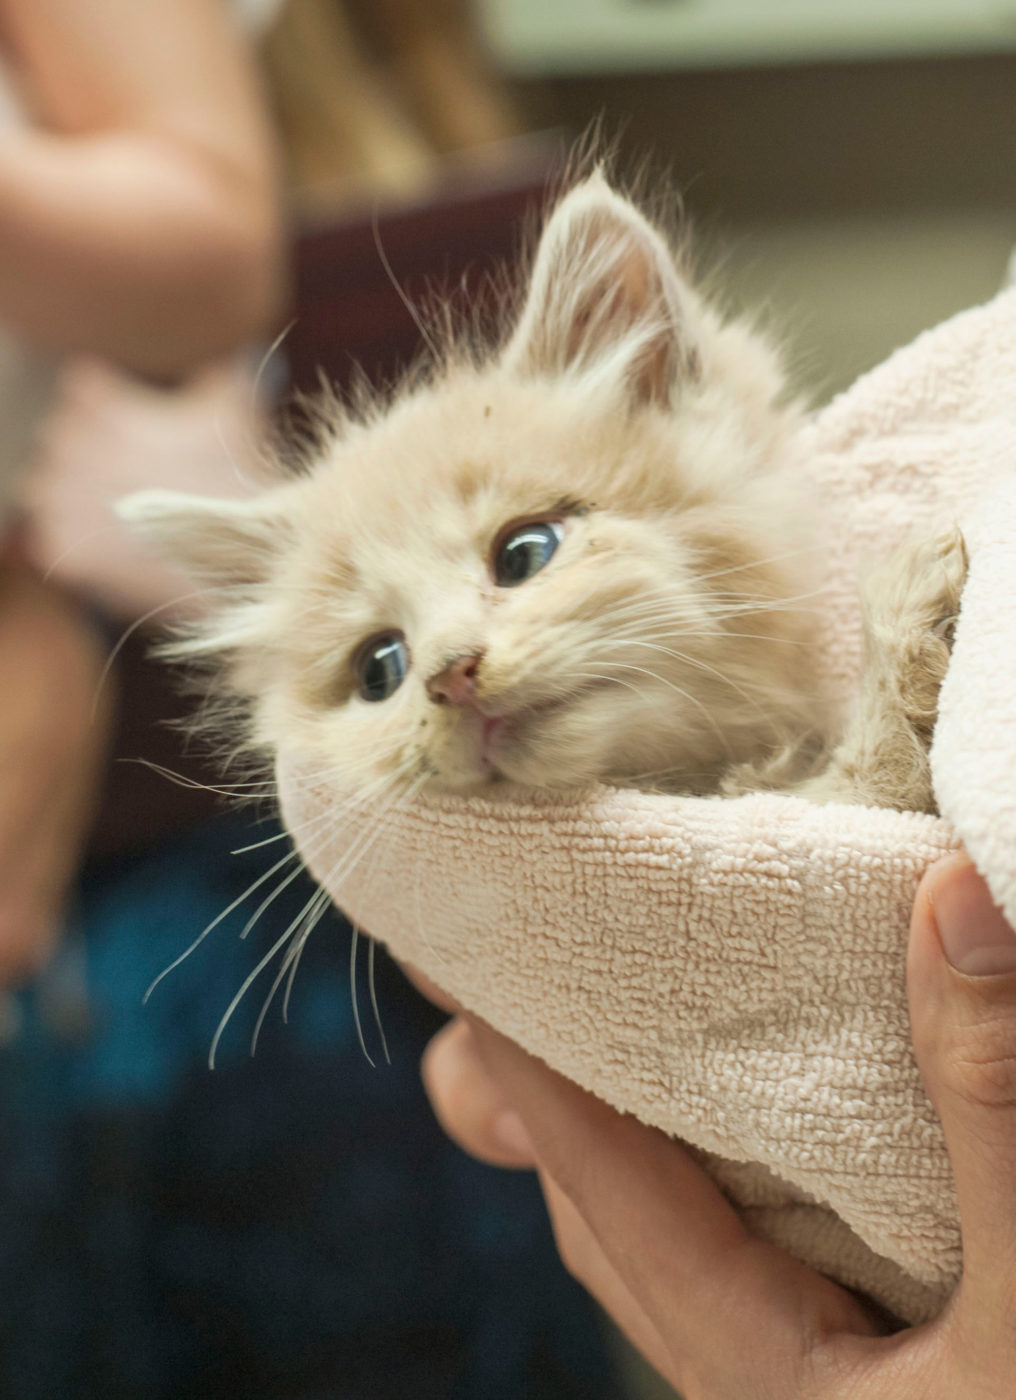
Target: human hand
53,730
108,435
719,1313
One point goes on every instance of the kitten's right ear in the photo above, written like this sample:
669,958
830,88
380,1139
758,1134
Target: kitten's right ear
213,541
606,300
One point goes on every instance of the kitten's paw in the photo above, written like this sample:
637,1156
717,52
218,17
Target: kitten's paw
955,563
913,605
911,608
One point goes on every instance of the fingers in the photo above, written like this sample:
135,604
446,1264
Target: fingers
676,1246
470,1105
467,1102
962,983
585,1260
472,1109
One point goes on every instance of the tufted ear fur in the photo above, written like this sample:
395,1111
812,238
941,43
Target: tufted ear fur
606,301
213,541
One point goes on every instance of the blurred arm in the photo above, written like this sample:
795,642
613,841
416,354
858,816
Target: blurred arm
138,219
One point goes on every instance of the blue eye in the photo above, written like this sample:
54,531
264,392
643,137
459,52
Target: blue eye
381,666
525,551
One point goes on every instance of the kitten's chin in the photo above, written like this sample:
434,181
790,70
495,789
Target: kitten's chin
602,737
497,782
465,784
563,744
534,760
559,751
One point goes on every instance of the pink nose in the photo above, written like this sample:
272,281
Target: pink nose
456,684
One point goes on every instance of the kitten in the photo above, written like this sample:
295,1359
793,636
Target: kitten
581,558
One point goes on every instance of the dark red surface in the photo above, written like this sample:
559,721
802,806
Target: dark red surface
349,312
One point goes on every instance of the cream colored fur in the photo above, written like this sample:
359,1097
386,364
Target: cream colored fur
667,643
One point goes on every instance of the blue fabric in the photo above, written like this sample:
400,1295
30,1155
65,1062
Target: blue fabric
292,1225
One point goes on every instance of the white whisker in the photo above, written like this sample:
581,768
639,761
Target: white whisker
139,622
313,910
256,788
762,563
296,954
613,680
695,661
291,855
679,690
304,914
248,982
373,1000
352,990
270,899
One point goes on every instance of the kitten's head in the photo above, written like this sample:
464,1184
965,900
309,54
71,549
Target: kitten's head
575,561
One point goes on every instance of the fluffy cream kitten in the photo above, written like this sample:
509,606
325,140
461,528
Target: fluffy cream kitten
577,559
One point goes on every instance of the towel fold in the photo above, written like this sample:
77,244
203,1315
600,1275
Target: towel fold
732,971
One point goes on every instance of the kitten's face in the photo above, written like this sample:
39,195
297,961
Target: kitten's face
574,564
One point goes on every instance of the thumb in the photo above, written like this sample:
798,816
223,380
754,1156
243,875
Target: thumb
961,976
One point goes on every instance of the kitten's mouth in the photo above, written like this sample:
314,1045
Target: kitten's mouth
503,729
515,743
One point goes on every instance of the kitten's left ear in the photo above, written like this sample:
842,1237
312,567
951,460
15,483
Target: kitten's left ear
606,300
214,541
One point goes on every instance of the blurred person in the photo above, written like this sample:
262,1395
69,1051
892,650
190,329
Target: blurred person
139,222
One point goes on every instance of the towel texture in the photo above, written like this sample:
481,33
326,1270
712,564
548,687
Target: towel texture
732,971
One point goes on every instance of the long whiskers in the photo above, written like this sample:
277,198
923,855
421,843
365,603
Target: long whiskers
293,957
300,929
780,558
672,685
248,982
276,947
352,992
257,787
372,987
593,676
308,917
138,623
399,803
229,909
279,864
694,661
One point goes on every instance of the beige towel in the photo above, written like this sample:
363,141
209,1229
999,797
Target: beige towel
732,971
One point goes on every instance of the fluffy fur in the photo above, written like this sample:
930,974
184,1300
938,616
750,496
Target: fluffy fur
666,641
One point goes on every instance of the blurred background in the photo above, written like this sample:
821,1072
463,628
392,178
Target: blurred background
845,168
294,1225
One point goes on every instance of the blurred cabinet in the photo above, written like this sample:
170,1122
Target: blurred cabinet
530,37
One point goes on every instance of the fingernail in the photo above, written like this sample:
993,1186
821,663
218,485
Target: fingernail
511,1133
976,938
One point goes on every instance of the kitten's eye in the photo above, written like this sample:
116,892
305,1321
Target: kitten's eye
525,551
381,666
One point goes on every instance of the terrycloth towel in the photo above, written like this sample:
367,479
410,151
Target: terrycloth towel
732,971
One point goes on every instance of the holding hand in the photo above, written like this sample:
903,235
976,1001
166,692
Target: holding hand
719,1313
